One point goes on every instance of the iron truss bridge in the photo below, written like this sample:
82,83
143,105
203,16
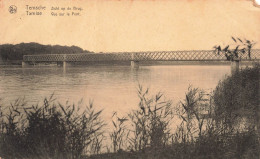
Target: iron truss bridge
196,55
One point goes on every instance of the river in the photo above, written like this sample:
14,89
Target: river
112,88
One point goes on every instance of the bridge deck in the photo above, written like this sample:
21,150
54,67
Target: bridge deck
203,55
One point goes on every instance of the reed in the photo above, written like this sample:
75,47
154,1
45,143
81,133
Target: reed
150,123
51,130
120,133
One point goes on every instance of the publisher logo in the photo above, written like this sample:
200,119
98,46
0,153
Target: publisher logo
12,9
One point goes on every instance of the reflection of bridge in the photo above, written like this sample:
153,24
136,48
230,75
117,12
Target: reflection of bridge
134,57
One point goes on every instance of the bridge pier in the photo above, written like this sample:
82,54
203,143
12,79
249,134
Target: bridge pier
134,64
66,64
234,66
24,64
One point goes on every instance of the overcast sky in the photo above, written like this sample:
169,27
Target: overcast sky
144,25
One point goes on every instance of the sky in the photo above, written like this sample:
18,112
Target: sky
132,25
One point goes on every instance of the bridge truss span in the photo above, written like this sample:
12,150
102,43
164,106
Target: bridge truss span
196,55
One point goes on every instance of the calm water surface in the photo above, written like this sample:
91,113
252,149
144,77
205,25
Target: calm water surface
112,88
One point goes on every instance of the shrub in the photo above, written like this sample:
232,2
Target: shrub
236,100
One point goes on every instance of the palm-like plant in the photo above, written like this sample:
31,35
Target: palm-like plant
242,47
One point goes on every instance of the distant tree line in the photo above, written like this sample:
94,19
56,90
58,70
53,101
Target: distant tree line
9,52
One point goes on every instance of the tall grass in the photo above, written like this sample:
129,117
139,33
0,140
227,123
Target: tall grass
198,134
51,130
120,133
150,123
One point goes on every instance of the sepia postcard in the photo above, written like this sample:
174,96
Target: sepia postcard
153,79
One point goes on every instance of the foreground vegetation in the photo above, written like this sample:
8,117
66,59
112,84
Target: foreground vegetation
48,131
220,124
